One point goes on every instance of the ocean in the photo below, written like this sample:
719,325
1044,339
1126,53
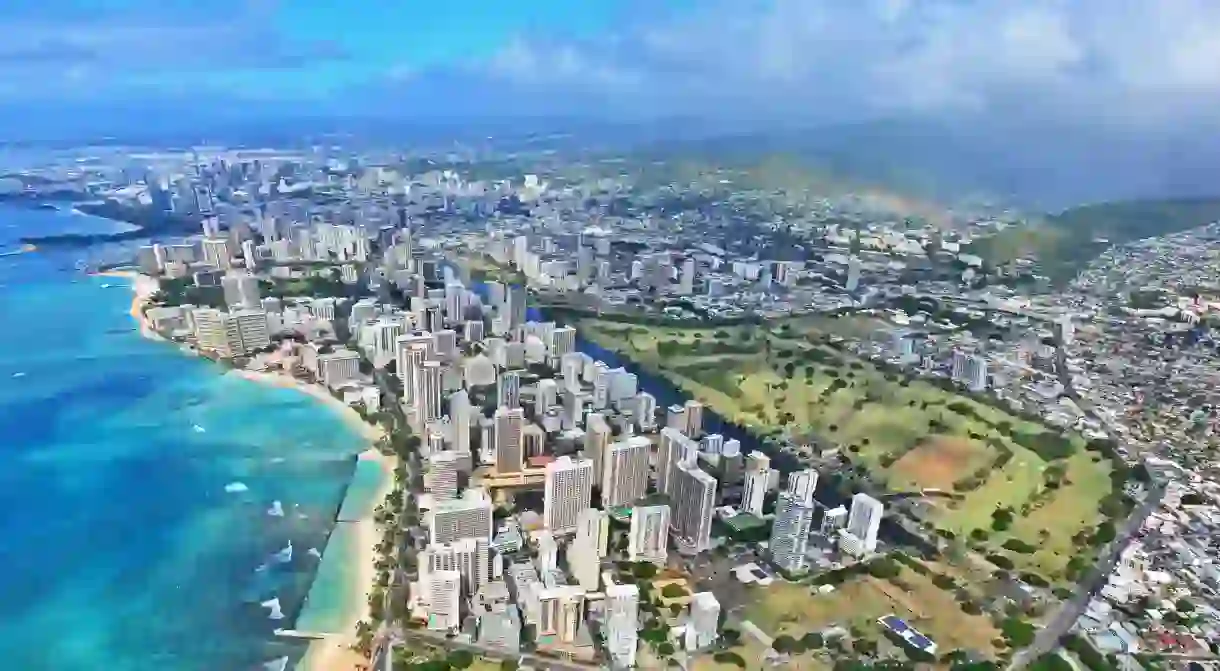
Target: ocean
138,484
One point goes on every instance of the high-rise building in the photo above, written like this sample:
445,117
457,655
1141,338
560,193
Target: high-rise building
548,553
442,476
508,389
702,627
559,610
216,253
853,273
430,391
470,557
801,484
625,471
517,297
589,546
461,414
510,455
793,522
645,411
411,352
444,590
712,443
674,448
860,536
466,517
686,278
601,386
563,341
546,396
649,536
622,618
386,332
833,520
597,442
1065,331
693,493
568,491
571,365
758,477
970,369
473,331
675,418
241,292
694,419
338,367
444,342
230,334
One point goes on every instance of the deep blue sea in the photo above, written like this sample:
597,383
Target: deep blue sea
126,542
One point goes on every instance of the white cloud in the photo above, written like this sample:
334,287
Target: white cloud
1116,60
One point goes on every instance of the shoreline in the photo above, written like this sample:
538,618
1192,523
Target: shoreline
370,432
333,653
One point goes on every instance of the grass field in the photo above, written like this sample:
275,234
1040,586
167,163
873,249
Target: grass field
856,605
750,650
909,434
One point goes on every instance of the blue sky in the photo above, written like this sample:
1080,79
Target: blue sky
1144,64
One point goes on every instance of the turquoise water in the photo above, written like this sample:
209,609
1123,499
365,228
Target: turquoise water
325,611
121,547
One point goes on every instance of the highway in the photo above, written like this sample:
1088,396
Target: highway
1048,638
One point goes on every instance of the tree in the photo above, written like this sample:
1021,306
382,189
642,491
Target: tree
643,570
884,568
665,649
813,641
508,665
460,659
730,658
784,644
1105,533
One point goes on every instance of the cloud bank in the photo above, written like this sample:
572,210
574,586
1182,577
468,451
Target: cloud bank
1104,61
1119,94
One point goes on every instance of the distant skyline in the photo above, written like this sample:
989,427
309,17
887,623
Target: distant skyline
1127,62
1051,99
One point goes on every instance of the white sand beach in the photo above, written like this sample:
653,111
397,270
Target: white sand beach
335,653
142,287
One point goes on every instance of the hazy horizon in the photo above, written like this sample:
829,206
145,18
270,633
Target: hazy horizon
1105,99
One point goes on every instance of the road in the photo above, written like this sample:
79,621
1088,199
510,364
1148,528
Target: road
1071,610
489,652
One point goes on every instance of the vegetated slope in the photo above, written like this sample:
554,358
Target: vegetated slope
1064,242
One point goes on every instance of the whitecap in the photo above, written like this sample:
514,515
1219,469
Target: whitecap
236,487
276,509
16,375
280,664
284,556
315,552
274,606
199,429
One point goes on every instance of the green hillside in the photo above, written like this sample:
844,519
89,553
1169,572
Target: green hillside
1063,243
